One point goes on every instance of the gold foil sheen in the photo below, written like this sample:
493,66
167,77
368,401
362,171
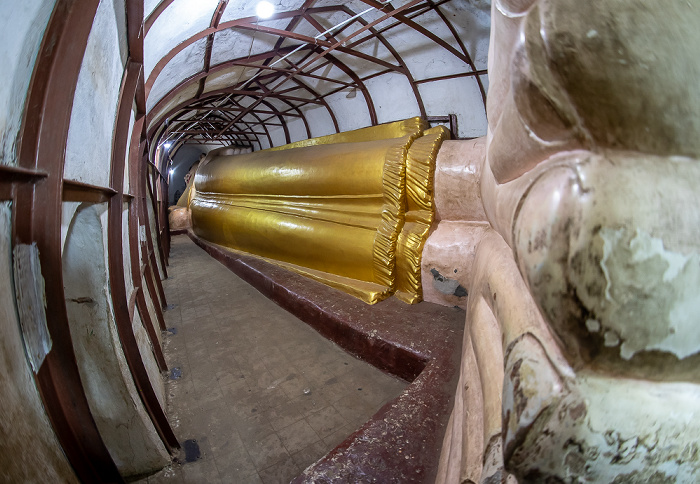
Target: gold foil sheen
396,129
331,208
420,213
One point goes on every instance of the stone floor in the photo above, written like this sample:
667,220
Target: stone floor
261,395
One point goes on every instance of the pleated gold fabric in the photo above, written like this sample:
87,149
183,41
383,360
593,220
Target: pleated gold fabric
420,213
331,209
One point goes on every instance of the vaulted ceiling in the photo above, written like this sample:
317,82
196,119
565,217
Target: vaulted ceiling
216,73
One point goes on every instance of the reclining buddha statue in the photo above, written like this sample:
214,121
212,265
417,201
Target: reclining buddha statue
351,210
570,234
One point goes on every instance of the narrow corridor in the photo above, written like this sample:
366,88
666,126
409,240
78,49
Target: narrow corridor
254,394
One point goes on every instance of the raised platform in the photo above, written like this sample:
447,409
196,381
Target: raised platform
420,343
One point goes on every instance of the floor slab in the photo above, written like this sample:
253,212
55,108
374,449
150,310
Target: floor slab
420,343
260,394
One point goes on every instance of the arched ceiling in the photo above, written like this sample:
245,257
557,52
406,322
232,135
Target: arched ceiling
217,74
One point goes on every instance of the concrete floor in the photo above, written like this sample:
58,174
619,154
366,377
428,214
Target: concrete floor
261,395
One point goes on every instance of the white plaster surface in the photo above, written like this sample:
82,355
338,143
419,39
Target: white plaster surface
301,88
472,21
359,66
124,426
251,42
149,6
459,96
373,47
182,19
127,187
393,97
67,211
297,130
277,135
422,55
186,93
230,44
126,252
154,233
89,144
144,344
228,77
185,64
329,71
36,455
326,21
278,105
319,119
351,113
22,26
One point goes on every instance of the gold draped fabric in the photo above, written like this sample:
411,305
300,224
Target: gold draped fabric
331,208
420,212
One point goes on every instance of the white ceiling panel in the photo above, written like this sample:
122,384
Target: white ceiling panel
181,20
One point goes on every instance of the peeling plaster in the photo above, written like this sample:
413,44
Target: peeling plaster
448,286
632,262
627,259
613,430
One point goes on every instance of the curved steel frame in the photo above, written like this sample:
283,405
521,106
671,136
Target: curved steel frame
305,67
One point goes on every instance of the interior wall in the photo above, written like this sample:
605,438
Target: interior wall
114,401
26,429
393,97
82,108
350,110
22,26
89,145
320,120
297,130
153,230
186,63
459,96
36,455
184,158
127,166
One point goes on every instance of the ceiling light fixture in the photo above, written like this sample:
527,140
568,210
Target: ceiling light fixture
264,9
